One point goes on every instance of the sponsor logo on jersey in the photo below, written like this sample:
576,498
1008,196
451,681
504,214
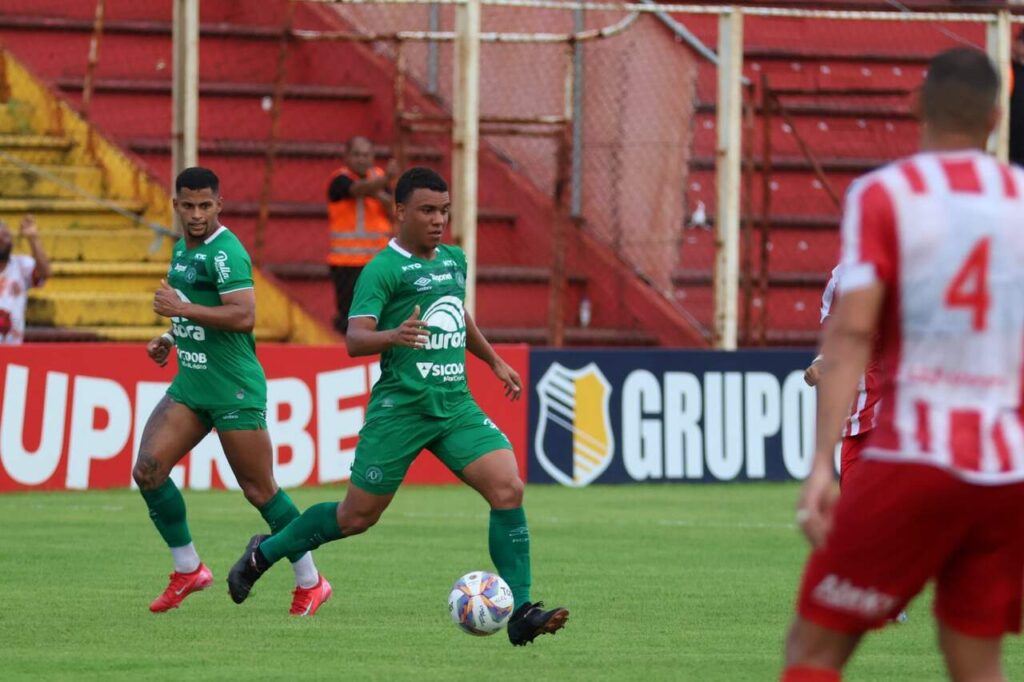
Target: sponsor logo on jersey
574,419
422,284
220,261
448,315
443,277
191,359
411,266
200,256
451,371
180,267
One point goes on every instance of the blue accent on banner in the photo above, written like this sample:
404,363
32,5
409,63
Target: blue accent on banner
669,416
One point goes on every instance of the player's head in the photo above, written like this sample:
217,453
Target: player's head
359,155
197,202
421,207
6,241
958,99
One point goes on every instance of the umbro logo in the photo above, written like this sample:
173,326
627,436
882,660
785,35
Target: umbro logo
422,282
424,368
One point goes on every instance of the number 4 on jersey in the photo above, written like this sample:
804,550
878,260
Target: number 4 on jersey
969,288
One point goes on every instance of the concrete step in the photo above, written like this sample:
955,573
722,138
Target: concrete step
16,183
74,214
142,108
42,150
105,246
89,308
106,277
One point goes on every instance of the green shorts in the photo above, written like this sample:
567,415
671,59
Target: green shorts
227,419
388,444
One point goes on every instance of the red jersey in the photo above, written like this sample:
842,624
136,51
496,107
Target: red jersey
864,410
944,233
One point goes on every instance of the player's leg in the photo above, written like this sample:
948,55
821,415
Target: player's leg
815,653
171,431
250,453
890,535
475,449
971,659
386,449
978,591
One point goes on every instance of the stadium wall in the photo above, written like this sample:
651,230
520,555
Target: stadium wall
72,416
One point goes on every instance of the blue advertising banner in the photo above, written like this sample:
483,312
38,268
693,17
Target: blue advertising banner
669,416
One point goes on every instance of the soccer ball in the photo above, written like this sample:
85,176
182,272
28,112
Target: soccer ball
480,603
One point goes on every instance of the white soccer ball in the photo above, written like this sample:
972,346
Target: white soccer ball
480,603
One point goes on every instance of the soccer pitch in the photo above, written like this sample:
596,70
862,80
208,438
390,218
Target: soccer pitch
664,582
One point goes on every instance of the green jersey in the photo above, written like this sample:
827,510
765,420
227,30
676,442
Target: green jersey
431,380
216,368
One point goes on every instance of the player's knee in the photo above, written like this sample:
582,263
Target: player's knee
147,472
259,493
794,647
507,495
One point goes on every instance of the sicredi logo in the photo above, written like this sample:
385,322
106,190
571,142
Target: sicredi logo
574,413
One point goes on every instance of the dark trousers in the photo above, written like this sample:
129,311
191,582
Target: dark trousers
344,278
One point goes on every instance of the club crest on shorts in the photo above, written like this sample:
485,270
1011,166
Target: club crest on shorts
574,441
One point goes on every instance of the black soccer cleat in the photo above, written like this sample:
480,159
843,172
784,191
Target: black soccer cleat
247,570
531,620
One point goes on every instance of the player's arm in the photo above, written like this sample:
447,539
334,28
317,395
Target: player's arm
845,354
363,337
30,231
479,346
236,312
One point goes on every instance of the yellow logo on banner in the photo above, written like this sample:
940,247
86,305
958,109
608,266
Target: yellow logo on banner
574,441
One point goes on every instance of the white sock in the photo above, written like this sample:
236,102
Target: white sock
186,559
306,575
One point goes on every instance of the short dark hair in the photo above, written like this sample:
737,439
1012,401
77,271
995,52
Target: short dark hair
960,91
197,178
418,178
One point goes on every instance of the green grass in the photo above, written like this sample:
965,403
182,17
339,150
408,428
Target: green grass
664,583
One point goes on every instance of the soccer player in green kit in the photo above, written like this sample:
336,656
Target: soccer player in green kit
220,385
409,308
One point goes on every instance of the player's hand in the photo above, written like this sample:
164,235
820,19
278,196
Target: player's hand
159,350
29,229
812,375
509,377
166,301
412,333
817,500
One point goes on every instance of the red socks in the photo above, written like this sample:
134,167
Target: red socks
804,674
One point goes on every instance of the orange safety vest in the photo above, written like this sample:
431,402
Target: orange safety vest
359,226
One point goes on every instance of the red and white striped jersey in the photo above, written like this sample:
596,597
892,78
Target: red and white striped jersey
944,233
863,412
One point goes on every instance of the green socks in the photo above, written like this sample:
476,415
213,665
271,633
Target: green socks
509,542
317,525
167,509
278,513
